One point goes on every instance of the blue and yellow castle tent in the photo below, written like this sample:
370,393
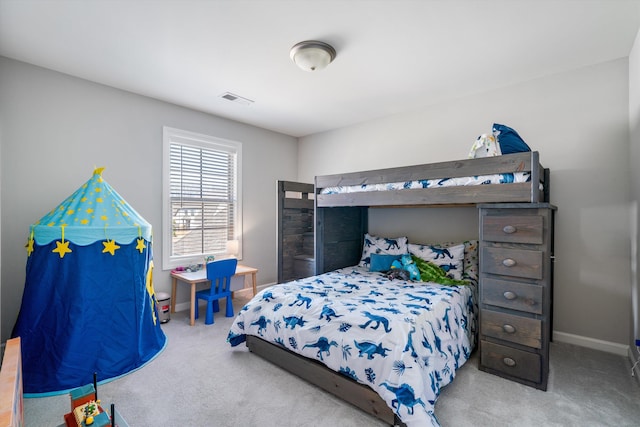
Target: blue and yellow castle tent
88,304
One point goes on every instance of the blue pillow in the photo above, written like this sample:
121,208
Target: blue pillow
382,262
509,140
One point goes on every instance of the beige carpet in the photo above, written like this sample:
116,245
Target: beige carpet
199,380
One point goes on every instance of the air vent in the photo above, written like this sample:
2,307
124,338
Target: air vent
236,98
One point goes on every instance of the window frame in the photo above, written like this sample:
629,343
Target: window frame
196,140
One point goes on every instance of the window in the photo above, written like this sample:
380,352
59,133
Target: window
201,196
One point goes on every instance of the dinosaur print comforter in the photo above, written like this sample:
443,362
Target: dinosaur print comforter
405,340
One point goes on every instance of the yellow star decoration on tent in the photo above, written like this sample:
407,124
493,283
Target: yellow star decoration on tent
110,246
140,246
62,248
30,248
30,243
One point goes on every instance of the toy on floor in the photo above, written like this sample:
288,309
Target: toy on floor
85,408
91,414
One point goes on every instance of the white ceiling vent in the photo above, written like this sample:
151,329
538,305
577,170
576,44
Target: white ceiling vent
236,98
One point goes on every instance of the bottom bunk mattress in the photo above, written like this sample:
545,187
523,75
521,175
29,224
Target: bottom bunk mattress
405,340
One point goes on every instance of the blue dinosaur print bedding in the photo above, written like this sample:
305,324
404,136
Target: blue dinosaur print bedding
405,340
501,178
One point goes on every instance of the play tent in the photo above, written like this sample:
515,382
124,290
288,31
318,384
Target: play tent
88,304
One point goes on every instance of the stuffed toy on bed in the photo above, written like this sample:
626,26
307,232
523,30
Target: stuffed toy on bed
406,263
501,140
397,274
431,272
485,146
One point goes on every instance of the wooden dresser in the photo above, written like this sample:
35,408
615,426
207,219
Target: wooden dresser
516,290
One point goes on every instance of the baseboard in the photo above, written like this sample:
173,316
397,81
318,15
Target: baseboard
183,306
607,346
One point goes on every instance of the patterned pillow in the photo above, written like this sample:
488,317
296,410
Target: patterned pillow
381,245
471,261
449,258
470,271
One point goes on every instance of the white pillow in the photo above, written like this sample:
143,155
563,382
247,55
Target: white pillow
450,259
470,261
381,245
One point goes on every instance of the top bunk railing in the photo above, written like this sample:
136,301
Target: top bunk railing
535,190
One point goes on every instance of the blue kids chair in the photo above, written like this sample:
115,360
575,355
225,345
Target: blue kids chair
219,273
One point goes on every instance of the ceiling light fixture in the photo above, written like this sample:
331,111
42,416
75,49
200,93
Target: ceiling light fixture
312,55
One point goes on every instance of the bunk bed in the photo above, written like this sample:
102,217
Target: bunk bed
344,285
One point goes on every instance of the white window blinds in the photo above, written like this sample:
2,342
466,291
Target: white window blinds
203,189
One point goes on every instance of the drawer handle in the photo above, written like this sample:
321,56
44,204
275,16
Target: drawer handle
510,329
510,295
509,262
509,229
509,362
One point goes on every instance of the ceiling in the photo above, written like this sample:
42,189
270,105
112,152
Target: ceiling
393,56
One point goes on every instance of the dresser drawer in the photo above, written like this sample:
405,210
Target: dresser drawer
513,229
517,329
511,361
512,295
512,262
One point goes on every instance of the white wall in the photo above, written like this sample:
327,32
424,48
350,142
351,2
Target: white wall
578,121
57,128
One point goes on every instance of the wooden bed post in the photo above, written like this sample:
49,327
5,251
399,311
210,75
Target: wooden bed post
547,185
295,230
339,237
535,177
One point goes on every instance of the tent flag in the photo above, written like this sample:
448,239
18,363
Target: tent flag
88,303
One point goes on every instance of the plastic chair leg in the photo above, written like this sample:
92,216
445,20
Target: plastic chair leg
209,319
216,306
229,307
197,312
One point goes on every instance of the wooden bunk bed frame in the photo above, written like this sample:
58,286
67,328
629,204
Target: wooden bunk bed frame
342,220
492,193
